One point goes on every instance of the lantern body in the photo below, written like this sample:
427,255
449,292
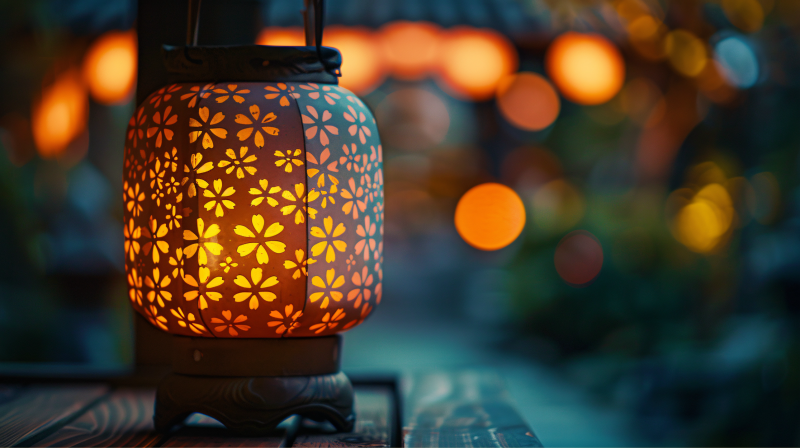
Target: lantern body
253,209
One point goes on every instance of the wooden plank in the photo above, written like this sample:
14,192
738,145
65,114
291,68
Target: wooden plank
374,417
125,418
461,409
200,430
40,409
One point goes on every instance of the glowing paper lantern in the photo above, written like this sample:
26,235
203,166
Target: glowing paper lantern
60,115
362,67
528,101
109,67
410,49
490,216
277,36
473,61
586,68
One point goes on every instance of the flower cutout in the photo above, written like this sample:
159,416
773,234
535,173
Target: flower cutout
206,130
350,159
135,287
301,201
288,158
378,292
157,285
228,325
171,187
286,322
350,262
197,92
151,313
203,286
325,188
191,172
185,320
245,133
228,264
178,261
160,129
156,234
203,242
328,322
328,234
362,281
135,198
164,94
256,275
263,193
240,163
352,195
231,91
328,286
365,310
217,196
358,126
301,265
132,233
367,232
327,92
136,125
282,91
319,125
261,253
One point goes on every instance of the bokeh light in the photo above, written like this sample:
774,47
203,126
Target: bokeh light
578,258
586,68
413,119
747,15
109,67
686,52
701,223
490,216
557,206
60,115
473,61
410,49
282,37
362,66
646,34
528,101
737,61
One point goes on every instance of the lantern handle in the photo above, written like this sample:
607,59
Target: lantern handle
193,25
314,20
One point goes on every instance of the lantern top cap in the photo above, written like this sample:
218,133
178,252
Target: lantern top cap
252,63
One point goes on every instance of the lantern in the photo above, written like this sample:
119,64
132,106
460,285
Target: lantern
253,227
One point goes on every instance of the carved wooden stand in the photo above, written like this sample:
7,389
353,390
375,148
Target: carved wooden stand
251,385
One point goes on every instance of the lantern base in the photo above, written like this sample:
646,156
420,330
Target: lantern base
254,406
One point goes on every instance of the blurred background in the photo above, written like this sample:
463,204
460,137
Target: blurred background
653,296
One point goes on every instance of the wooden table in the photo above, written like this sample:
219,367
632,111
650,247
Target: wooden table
467,408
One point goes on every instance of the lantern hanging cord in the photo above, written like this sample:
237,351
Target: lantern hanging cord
193,24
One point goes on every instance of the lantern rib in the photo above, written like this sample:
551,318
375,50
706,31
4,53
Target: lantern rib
196,203
305,181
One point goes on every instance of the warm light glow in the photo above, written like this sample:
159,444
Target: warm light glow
557,206
490,216
413,119
60,115
586,68
362,66
473,61
578,258
281,37
528,101
686,52
109,67
410,49
701,224
747,15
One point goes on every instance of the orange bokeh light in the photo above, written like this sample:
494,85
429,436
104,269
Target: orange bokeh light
528,101
490,216
60,115
586,68
578,258
473,61
410,49
109,67
282,37
362,66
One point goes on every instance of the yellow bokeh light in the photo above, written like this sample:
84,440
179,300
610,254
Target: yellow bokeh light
586,68
490,216
701,224
528,101
473,61
282,37
686,52
747,15
60,115
410,49
109,67
362,66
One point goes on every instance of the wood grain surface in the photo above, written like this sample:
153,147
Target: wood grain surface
124,418
204,431
374,417
37,410
467,409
